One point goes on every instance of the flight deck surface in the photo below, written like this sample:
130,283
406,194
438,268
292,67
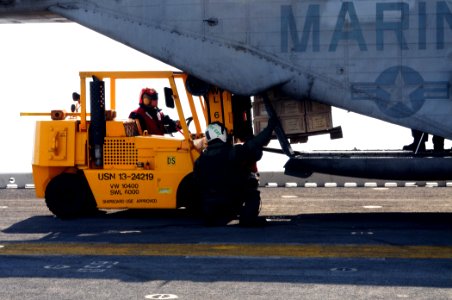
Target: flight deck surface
330,243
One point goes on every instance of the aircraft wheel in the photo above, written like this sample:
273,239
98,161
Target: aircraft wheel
188,195
196,86
68,196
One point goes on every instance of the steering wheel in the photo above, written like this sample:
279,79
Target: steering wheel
188,121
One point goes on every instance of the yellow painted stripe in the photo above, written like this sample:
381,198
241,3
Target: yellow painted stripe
247,250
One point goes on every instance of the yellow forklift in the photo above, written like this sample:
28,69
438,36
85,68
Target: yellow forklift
87,160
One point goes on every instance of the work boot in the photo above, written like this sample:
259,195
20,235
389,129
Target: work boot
438,143
413,146
419,138
216,211
438,148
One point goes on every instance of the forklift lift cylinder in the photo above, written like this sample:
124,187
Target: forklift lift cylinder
97,129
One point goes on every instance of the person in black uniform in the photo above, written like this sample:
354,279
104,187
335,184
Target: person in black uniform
224,175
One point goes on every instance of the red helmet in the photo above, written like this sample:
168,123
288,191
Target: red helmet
153,95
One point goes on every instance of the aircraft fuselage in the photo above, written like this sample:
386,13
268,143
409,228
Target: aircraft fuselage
390,60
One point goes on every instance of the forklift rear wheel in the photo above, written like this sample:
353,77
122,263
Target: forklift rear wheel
68,196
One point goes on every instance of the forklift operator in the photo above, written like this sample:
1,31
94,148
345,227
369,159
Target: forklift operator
224,175
151,119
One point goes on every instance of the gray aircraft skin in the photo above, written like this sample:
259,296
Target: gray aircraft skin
386,59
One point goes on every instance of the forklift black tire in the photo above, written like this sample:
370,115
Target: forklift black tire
188,195
68,196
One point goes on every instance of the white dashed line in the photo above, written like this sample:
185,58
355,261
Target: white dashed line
310,185
350,184
372,206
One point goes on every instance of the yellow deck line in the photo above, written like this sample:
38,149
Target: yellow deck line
245,250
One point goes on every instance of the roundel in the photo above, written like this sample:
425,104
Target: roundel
400,91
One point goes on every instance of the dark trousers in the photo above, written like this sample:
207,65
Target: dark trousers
221,208
419,138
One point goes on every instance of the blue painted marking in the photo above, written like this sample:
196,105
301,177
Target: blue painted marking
400,91
353,31
444,14
349,28
397,27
